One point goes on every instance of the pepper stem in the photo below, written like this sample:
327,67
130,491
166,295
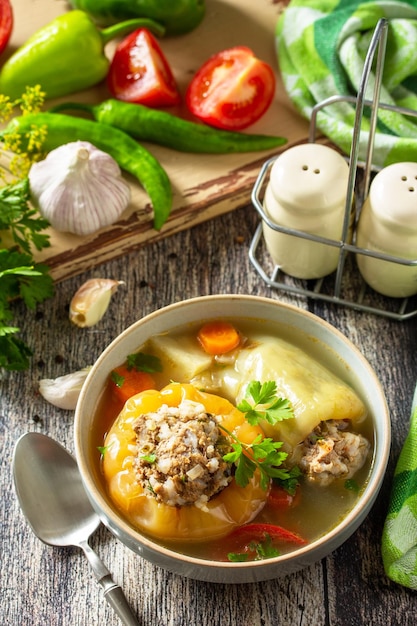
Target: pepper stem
118,30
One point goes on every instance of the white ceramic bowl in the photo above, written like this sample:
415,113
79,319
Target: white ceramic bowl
339,353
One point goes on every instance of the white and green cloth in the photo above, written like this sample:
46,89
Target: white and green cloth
399,537
321,47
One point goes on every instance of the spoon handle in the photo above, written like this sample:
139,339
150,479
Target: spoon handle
113,593
117,599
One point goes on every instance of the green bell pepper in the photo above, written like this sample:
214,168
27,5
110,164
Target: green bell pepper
178,16
65,56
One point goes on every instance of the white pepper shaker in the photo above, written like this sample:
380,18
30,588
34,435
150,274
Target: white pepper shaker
388,224
307,192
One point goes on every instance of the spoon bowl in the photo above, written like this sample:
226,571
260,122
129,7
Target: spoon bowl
52,497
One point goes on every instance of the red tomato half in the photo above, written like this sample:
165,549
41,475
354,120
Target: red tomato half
232,90
6,23
139,72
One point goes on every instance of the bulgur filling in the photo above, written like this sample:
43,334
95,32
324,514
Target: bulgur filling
180,454
332,451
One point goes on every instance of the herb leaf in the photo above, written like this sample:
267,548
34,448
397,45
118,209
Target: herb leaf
262,550
291,483
144,362
21,230
238,557
117,378
265,404
263,453
245,469
14,353
19,278
22,223
352,485
149,458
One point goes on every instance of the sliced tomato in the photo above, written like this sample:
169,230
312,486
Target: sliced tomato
6,23
232,90
280,499
253,541
139,72
256,532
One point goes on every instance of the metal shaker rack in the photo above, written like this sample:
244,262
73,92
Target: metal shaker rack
345,286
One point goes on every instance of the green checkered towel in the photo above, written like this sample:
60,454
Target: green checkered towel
399,537
322,45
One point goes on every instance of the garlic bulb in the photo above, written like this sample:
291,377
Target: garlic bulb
64,391
78,188
91,300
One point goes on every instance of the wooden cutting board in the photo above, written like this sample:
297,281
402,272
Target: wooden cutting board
204,185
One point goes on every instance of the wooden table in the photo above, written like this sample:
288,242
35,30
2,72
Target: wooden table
44,586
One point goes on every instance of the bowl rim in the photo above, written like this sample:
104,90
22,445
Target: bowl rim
119,526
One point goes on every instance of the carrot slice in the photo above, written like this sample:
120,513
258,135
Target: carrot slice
218,337
126,382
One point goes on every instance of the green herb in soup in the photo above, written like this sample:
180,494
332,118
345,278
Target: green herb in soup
237,445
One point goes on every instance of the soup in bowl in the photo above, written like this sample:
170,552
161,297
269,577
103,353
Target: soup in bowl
232,438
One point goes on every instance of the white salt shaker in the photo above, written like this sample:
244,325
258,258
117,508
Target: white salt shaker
307,192
388,224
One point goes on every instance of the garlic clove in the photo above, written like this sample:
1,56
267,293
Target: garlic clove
78,188
91,301
63,392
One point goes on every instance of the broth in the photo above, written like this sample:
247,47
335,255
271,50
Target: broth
320,508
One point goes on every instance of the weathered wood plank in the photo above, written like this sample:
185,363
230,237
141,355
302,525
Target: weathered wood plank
43,585
203,185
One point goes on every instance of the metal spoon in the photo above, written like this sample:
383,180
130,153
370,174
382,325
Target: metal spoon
52,497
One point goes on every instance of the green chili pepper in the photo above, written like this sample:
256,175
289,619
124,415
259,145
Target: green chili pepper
65,56
130,155
168,130
178,16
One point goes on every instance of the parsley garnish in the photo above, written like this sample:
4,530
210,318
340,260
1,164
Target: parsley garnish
352,485
290,484
149,458
263,453
265,457
265,404
144,362
117,378
263,550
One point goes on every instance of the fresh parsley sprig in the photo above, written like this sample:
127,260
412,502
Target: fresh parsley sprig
261,402
262,550
21,278
263,453
21,231
19,220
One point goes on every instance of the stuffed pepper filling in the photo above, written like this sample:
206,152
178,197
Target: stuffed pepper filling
180,454
332,451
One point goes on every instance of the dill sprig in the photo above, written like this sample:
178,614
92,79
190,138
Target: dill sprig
18,160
